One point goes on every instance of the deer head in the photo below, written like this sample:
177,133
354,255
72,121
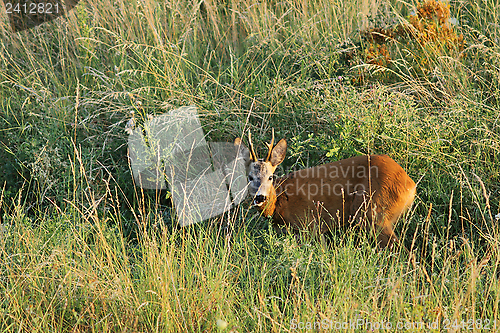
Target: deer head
260,171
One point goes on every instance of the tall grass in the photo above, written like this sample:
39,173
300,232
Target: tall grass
82,249
75,271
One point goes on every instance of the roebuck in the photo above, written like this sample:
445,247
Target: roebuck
373,190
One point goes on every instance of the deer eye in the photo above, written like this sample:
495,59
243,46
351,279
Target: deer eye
271,177
250,178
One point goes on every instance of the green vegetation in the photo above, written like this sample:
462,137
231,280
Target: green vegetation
83,250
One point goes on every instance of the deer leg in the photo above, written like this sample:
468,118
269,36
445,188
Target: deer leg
386,237
375,222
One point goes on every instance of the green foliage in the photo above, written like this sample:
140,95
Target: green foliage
83,249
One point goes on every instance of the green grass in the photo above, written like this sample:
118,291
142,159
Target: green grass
83,250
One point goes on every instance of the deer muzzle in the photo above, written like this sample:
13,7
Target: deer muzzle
259,200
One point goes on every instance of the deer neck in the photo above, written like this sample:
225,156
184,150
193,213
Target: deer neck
269,206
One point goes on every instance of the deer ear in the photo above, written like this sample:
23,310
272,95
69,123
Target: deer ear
242,151
278,153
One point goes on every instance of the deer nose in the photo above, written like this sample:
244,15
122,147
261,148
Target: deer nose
259,200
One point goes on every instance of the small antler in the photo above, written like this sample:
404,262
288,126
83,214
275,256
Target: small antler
252,152
270,146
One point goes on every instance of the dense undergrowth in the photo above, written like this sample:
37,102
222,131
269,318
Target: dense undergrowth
82,249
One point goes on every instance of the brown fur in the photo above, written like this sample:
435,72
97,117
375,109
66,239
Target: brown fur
372,189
